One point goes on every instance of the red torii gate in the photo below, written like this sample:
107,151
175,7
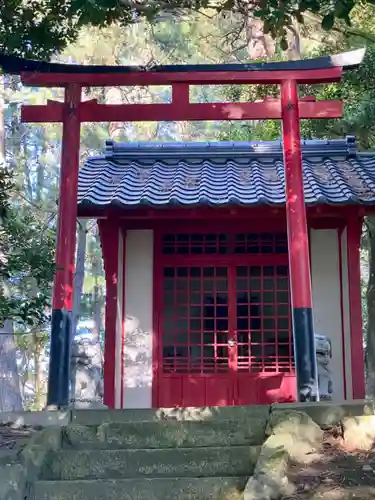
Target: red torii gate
72,112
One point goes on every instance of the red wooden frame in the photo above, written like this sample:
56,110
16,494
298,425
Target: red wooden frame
320,215
65,253
91,111
298,241
313,76
274,224
109,238
177,260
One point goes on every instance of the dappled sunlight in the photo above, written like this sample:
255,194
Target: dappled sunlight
193,413
137,354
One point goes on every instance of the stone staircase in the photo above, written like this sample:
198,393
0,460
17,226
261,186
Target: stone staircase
184,454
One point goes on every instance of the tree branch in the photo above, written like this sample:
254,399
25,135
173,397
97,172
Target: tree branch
344,30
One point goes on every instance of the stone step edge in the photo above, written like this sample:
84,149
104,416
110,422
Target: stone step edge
133,450
172,422
164,420
141,479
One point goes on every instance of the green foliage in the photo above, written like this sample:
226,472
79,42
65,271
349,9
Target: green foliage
27,270
6,184
40,28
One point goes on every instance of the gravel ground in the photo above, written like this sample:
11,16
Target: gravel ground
337,475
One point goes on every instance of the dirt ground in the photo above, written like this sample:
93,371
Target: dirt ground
11,435
337,475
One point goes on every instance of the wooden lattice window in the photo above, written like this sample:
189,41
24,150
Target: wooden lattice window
195,319
220,318
210,244
263,322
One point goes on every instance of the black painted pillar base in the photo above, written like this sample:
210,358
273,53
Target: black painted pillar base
59,359
305,355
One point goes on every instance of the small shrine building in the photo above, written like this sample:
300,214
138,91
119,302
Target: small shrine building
195,252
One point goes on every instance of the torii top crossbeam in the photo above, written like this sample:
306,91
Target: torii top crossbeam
318,70
289,108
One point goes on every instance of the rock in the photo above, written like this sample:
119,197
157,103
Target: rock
292,436
359,432
297,422
267,488
304,434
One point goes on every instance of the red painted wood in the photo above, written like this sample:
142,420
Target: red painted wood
298,241
327,223
109,238
246,390
317,215
67,218
219,391
225,375
277,388
91,111
193,394
354,231
180,94
170,392
194,77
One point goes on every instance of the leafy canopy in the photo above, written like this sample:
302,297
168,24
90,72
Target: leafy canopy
40,28
26,268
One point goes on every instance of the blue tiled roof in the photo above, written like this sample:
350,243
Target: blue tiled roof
221,173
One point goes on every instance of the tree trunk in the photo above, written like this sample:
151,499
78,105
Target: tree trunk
294,42
78,286
2,128
37,348
370,299
10,392
259,45
98,307
80,273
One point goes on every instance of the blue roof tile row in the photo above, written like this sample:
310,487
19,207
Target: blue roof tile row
222,173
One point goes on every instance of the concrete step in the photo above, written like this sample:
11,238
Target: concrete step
165,434
180,462
233,413
211,488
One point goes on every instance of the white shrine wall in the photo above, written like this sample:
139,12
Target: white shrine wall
331,303
139,269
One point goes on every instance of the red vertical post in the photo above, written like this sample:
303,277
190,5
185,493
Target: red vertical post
298,247
109,237
60,347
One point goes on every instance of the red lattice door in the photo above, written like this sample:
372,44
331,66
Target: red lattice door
225,333
264,334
